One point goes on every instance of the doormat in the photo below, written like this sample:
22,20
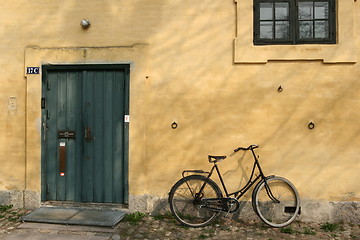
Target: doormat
75,216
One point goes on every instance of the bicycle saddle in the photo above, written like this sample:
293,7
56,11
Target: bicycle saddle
214,159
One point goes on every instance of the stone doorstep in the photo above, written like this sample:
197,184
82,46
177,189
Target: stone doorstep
60,227
72,216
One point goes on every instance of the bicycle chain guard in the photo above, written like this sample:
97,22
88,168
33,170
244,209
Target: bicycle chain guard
229,205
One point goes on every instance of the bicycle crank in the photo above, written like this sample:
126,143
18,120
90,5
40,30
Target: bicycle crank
232,205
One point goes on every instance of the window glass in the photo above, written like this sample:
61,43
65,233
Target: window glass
266,11
321,10
282,29
282,11
266,30
321,29
312,11
306,10
274,20
305,29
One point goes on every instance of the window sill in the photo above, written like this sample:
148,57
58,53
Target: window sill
342,52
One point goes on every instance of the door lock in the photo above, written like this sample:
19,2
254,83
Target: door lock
88,136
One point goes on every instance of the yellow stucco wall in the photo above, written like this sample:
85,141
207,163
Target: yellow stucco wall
192,62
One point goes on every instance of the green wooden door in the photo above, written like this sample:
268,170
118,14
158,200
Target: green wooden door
84,136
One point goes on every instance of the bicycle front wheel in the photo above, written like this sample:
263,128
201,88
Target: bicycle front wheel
187,202
276,201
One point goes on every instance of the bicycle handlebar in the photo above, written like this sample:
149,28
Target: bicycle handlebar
251,147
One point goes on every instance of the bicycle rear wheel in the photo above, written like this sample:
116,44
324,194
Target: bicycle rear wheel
186,200
276,202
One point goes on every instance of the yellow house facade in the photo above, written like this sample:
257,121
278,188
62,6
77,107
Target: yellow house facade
222,71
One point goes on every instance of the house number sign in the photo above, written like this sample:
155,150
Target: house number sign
32,70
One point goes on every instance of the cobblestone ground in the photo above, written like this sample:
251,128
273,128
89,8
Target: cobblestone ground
10,218
164,227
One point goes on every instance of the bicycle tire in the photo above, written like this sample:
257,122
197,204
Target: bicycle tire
276,214
188,211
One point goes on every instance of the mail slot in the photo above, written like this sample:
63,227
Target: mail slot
66,134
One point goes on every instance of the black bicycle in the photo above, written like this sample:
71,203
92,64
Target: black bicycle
196,200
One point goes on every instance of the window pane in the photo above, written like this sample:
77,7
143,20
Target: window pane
321,29
282,11
266,30
306,29
306,10
266,11
282,29
321,10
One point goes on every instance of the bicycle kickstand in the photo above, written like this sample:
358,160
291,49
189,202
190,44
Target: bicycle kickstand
227,213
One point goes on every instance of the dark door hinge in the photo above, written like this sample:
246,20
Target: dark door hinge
43,103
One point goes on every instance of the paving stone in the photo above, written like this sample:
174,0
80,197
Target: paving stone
115,237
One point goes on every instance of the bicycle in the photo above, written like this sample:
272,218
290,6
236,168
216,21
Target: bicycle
196,200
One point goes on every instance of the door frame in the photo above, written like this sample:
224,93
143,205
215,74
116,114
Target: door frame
126,68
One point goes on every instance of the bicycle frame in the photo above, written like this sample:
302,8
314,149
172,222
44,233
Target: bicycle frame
238,194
